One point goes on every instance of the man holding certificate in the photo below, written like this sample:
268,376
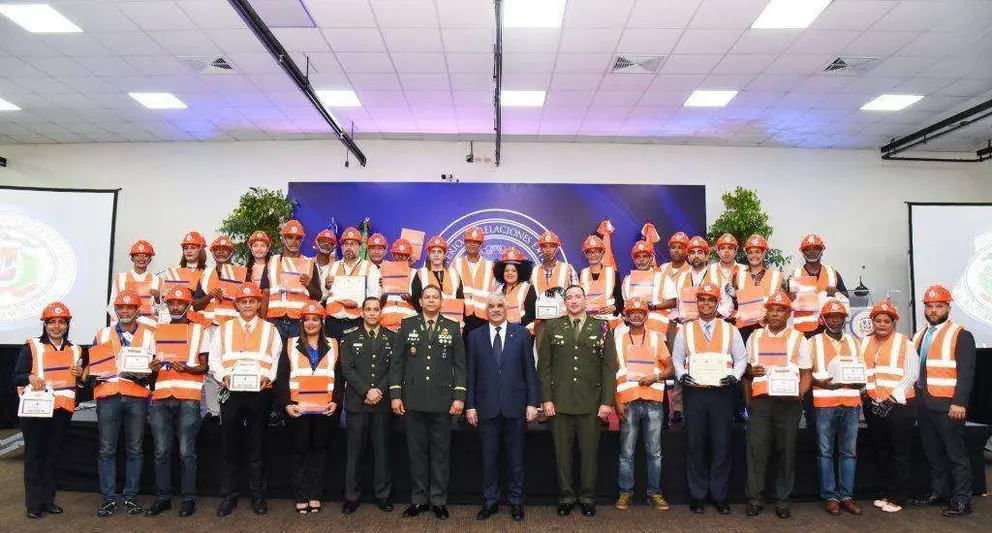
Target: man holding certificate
350,281
808,281
292,280
680,291
244,357
709,358
753,285
476,274
780,372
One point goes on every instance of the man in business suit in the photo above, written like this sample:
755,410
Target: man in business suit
427,388
577,365
502,398
364,359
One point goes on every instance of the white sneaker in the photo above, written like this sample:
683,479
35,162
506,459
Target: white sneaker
879,503
890,507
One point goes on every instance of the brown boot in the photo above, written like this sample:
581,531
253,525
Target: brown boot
623,502
851,507
658,502
833,507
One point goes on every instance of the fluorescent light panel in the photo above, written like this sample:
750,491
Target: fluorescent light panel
158,100
38,18
533,13
7,106
789,14
892,102
710,98
337,98
522,98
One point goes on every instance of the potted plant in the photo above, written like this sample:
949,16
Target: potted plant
258,209
743,217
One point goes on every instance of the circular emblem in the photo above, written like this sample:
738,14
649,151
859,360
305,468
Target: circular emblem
974,291
860,324
810,240
503,228
37,266
57,310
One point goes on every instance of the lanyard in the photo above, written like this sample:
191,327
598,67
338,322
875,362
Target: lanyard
644,337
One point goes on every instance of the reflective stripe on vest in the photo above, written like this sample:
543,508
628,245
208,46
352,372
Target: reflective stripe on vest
142,285
55,368
171,383
396,308
668,271
516,302
657,321
695,340
228,278
340,268
771,281
824,351
477,287
299,366
560,277
237,345
716,272
629,390
281,270
176,276
885,362
941,365
599,287
807,321
115,384
767,352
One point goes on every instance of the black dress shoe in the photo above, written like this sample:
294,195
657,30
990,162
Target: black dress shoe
441,512
52,509
227,506
158,507
385,505
753,508
783,512
187,508
930,499
414,510
349,507
696,506
957,509
723,507
588,509
258,506
487,511
517,512
565,509
33,514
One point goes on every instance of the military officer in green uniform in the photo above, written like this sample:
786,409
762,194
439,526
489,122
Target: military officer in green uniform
364,359
577,366
427,388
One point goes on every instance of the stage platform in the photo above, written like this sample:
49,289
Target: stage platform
78,464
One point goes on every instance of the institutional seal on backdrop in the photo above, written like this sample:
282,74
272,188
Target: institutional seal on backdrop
860,323
973,292
37,266
503,228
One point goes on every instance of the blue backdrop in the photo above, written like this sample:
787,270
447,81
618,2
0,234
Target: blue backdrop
510,214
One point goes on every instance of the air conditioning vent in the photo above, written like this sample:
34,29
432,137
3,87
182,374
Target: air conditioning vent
851,65
208,65
634,64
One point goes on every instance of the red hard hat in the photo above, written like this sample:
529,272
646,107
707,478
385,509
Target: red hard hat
475,234
885,307
811,241
780,299
679,237
292,227
259,236
756,241
549,237
833,306
401,246
142,247
641,247
699,243
194,238
326,235
312,308
512,255
592,242
727,240
56,310
635,304
378,239
351,234
937,294
248,290
222,241
708,289
178,293
127,297
437,241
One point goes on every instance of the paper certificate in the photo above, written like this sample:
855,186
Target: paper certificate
134,360
395,277
782,381
348,288
642,284
708,368
313,394
595,302
687,303
246,377
36,404
806,298
848,372
750,306
416,239
548,308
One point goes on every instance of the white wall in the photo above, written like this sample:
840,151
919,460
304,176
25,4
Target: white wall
852,198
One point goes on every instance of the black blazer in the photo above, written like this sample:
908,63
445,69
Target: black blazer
505,387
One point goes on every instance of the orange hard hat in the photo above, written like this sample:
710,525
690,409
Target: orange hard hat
351,234
699,243
312,308
549,237
194,238
512,255
812,241
142,247
780,299
223,241
885,307
248,290
259,236
475,234
127,297
833,306
679,237
708,289
641,247
635,304
181,294
292,227
727,240
401,246
378,239
437,241
756,241
592,242
56,310
326,235
937,294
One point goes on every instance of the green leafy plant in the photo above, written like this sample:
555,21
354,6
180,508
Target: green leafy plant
743,217
258,209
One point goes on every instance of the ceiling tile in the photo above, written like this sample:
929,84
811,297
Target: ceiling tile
822,41
567,98
880,43
12,66
301,39
648,41
134,43
412,39
425,82
473,99
798,64
185,42
727,14
77,44
254,63
655,14
959,68
744,63
857,15
530,40
419,62
690,64
153,16
158,66
591,40
970,88
616,98
583,63
528,63
765,41
418,99
211,15
365,62
912,15
922,85
375,81
676,82
895,67
597,14
468,40
707,41
340,13
236,41
462,14
513,81
481,63
575,82
471,81
935,45
354,39
664,98
626,82
824,84
97,16
726,81
405,13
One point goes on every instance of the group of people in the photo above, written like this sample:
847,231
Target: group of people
500,343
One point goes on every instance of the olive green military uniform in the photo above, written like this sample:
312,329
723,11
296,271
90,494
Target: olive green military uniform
577,370
364,360
427,372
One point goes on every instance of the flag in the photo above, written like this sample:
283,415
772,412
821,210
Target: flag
366,229
605,231
650,234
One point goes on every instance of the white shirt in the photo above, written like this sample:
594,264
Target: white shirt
805,355
215,356
724,308
502,333
737,349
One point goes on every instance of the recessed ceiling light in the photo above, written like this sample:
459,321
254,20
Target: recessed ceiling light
789,14
522,98
339,98
533,13
710,98
7,106
39,18
158,100
891,102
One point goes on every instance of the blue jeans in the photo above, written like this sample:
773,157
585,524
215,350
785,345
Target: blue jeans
166,417
650,415
840,423
111,413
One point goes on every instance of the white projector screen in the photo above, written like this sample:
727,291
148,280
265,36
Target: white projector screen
951,244
55,244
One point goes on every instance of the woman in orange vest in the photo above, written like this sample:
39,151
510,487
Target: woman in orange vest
192,263
306,390
141,280
512,272
893,368
50,361
437,272
396,307
604,295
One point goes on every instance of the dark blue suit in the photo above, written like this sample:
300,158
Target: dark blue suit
500,389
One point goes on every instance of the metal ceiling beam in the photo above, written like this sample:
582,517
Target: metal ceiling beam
937,130
279,53
498,78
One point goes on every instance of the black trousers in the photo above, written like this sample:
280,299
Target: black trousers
244,419
428,442
335,327
362,427
772,428
892,437
310,435
943,443
709,413
42,445
511,431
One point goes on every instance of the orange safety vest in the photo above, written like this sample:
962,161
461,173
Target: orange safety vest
824,350
54,366
179,339
696,343
115,384
807,321
449,303
237,345
885,361
562,275
143,285
599,288
644,358
340,268
180,277
668,271
941,366
657,321
516,303
684,279
299,367
228,277
396,309
780,350
476,287
722,277
286,297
